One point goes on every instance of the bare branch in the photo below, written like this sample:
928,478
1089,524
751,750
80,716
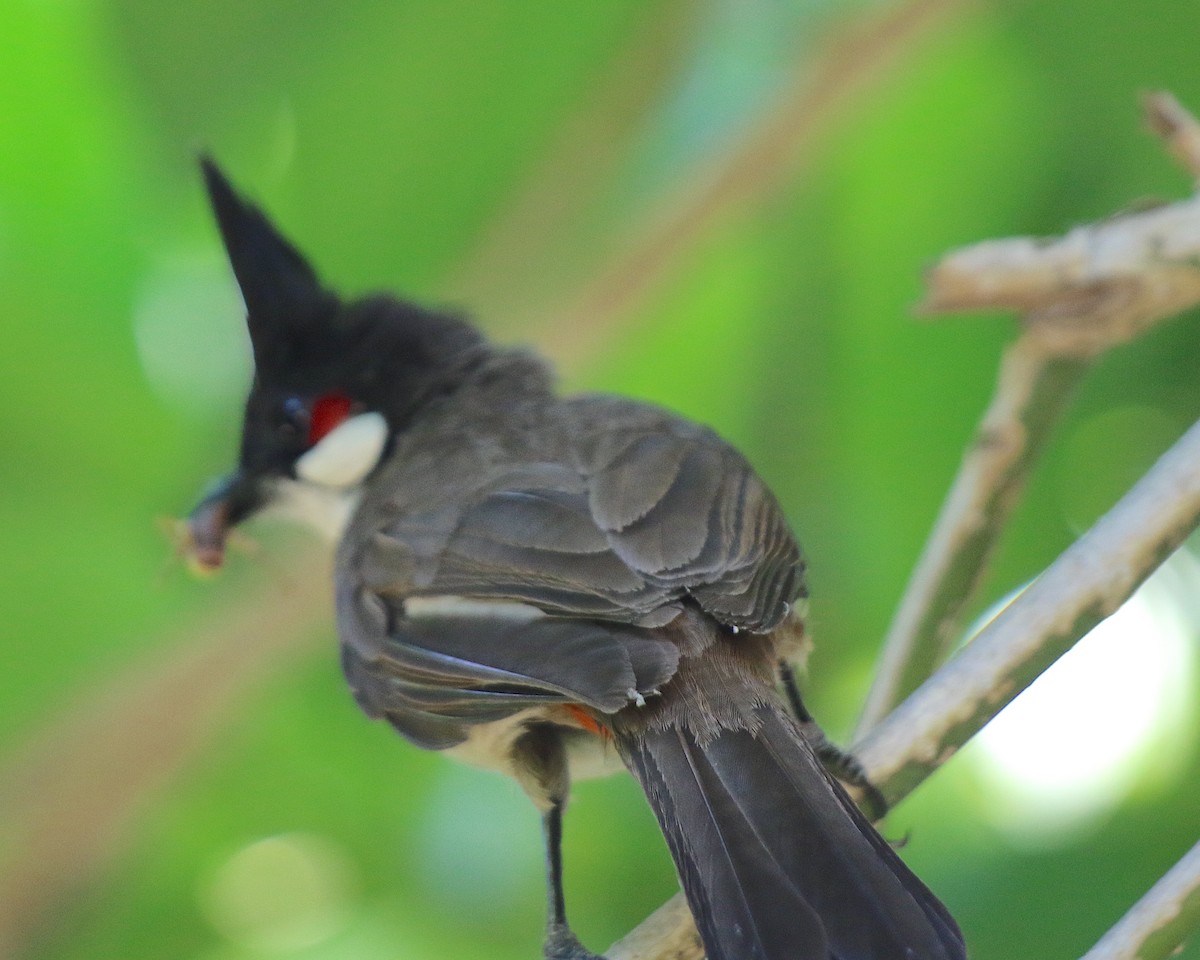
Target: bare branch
1033,389
1159,923
667,934
1177,128
1084,585
1088,291
1079,295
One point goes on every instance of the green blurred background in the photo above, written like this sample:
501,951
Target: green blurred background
182,773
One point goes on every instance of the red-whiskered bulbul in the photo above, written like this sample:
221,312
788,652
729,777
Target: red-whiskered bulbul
556,586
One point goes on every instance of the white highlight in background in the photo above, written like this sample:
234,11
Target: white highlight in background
281,894
189,326
1113,713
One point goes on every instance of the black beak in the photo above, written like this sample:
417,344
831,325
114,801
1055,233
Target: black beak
230,501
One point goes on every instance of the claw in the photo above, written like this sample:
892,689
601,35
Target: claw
562,944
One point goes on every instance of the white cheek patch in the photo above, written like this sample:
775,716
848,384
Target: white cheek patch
325,509
346,454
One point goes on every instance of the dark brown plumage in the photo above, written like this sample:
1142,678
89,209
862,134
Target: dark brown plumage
544,584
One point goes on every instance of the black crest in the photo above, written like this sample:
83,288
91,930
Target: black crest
282,293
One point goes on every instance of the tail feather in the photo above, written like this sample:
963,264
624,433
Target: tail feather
726,884
935,911
775,860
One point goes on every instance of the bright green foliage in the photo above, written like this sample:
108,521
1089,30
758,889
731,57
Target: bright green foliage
389,138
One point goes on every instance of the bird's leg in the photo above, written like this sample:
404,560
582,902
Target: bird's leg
840,763
561,943
541,763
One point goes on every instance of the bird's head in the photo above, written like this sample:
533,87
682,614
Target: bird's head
334,380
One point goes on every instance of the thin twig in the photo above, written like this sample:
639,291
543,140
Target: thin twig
1176,127
1158,924
1090,580
1033,389
1079,295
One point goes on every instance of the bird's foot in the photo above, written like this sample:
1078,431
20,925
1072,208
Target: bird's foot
562,944
845,767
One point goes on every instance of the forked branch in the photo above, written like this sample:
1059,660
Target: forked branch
1079,296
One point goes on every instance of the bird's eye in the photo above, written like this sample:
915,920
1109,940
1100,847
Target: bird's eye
328,411
293,418
312,422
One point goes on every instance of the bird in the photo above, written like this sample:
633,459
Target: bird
557,587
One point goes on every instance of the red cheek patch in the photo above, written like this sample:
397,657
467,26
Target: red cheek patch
328,412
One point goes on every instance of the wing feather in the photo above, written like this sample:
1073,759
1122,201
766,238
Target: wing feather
471,668
641,510
686,511
608,519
